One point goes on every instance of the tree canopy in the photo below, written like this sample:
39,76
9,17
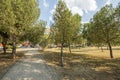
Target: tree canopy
66,26
103,28
16,16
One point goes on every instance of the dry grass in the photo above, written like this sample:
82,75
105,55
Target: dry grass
85,64
92,51
6,61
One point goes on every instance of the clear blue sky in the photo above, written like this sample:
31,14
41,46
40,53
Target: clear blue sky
86,8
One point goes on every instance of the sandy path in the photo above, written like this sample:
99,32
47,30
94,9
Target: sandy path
32,67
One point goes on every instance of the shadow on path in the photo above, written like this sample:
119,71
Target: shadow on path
31,67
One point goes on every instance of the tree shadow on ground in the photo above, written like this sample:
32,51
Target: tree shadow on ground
114,48
84,67
31,67
104,48
84,50
6,61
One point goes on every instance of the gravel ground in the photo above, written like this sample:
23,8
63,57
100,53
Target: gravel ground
31,67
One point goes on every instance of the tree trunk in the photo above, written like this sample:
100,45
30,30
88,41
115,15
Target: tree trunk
4,42
110,48
61,56
70,49
4,48
14,47
101,48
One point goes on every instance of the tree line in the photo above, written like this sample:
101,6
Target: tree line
19,21
102,30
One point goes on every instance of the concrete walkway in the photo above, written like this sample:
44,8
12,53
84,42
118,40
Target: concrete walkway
32,67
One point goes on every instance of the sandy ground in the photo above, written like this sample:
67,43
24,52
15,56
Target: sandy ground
31,67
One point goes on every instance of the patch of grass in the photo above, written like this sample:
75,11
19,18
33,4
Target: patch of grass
84,66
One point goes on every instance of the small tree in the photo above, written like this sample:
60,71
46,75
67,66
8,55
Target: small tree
66,26
74,29
35,33
104,28
61,26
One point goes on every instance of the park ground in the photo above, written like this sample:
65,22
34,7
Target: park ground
82,64
6,61
88,63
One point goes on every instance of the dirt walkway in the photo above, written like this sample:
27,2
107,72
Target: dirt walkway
31,67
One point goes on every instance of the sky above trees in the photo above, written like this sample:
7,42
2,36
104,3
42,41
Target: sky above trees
86,8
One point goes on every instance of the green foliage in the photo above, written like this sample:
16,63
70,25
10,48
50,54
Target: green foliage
61,18
8,47
26,14
16,16
74,29
117,23
67,26
104,28
104,25
35,33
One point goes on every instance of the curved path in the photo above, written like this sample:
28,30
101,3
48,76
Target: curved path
31,67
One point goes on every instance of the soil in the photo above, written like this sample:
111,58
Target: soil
7,62
76,66
83,66
31,67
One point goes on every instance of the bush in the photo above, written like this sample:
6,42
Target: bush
8,46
